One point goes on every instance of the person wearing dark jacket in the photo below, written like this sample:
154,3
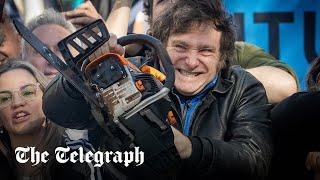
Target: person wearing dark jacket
296,131
280,81
225,130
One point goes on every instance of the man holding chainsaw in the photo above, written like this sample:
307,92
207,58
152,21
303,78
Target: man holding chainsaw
223,128
224,110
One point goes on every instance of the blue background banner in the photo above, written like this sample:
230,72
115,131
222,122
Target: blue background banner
288,29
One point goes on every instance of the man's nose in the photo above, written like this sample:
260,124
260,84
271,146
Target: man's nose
192,59
57,52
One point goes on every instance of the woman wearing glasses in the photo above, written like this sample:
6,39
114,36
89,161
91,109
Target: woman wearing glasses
23,124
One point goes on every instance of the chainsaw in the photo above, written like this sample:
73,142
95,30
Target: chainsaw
129,102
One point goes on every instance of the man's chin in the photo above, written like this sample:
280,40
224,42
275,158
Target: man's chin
188,91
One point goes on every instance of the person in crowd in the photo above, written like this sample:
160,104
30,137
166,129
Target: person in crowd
25,125
50,27
117,21
225,130
9,40
296,127
55,24
279,80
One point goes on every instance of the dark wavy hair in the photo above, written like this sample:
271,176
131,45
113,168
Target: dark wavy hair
185,15
313,77
147,7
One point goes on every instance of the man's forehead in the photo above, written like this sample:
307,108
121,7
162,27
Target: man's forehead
51,32
205,27
202,36
51,28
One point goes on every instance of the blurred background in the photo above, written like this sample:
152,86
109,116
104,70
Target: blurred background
287,29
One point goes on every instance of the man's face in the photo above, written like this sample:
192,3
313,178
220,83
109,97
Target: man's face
159,7
195,56
9,42
49,34
20,103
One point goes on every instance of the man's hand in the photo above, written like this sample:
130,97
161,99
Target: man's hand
83,15
111,46
183,144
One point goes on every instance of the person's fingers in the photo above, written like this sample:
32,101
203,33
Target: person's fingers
99,52
75,13
112,41
89,3
119,49
82,20
114,47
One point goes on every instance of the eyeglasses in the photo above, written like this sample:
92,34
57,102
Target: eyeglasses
27,93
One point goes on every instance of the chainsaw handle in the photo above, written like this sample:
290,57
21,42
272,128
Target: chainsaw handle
161,52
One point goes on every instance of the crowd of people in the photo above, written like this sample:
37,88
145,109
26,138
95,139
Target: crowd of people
239,111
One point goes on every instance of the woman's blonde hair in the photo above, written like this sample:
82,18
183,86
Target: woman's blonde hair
18,64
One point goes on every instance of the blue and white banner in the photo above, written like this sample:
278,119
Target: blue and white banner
287,29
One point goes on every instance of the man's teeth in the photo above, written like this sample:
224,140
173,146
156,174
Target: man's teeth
187,73
21,114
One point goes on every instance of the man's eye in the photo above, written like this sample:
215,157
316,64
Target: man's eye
180,48
206,51
35,53
159,1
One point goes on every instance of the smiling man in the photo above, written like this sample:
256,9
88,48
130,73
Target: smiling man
226,130
279,79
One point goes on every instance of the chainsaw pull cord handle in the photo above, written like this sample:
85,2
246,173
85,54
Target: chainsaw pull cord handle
161,52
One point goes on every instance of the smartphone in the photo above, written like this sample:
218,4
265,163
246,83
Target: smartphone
68,5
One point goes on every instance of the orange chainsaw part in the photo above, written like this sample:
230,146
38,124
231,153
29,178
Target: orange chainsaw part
146,69
103,57
153,71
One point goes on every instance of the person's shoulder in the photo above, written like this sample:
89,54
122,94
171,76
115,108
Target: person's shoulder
241,78
238,72
245,47
249,56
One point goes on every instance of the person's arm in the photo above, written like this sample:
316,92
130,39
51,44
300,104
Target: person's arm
278,83
118,19
279,80
248,151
